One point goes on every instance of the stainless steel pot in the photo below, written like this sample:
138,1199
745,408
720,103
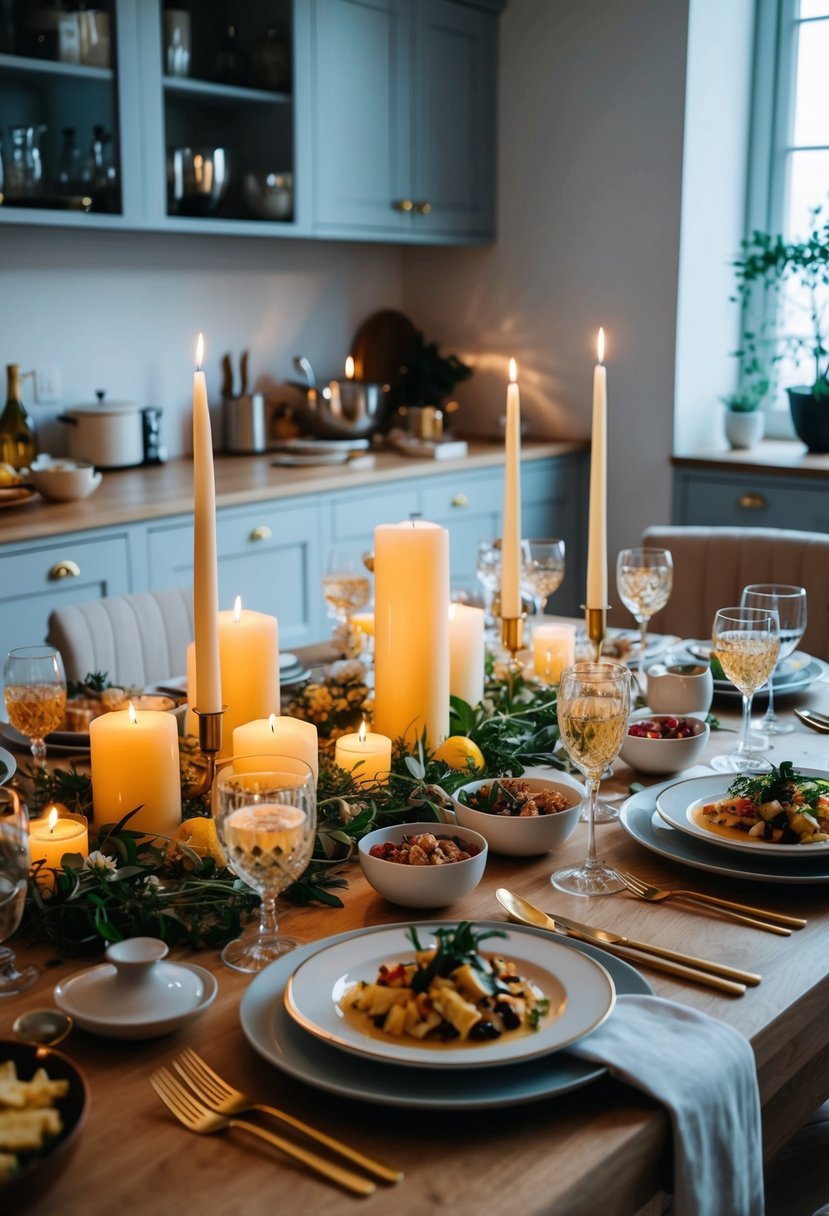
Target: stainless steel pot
343,409
109,435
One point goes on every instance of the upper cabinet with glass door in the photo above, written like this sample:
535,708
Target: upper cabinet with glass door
61,152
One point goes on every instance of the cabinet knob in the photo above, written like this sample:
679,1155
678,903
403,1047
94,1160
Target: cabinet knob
423,208
460,500
403,204
752,502
263,532
65,569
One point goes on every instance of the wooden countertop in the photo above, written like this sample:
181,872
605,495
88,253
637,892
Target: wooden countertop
771,456
153,491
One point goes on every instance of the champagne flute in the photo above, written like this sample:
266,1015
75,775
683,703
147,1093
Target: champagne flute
747,642
542,569
789,602
265,809
35,694
14,875
593,707
644,578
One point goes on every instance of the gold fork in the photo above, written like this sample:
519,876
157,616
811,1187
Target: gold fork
197,1118
223,1098
758,918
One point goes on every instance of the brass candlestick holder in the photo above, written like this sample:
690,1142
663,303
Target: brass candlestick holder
210,744
595,620
512,637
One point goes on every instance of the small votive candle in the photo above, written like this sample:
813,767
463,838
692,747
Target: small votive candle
56,832
368,750
554,648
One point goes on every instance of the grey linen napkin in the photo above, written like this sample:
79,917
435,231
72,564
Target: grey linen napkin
703,1071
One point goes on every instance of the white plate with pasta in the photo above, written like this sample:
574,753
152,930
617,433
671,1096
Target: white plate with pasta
580,993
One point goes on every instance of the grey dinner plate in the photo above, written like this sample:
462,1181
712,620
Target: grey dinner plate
273,1034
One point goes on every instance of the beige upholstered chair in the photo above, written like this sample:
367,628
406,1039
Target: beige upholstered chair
712,565
136,639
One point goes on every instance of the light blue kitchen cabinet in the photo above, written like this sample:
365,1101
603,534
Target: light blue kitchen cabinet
268,554
765,498
403,119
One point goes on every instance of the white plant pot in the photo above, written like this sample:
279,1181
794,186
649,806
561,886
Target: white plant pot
744,429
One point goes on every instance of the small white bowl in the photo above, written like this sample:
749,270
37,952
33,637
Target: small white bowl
516,836
664,755
422,886
64,480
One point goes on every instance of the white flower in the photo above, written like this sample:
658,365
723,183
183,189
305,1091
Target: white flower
152,880
99,863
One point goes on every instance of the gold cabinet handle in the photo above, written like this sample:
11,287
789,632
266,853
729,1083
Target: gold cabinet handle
423,208
65,569
403,204
460,500
263,532
752,502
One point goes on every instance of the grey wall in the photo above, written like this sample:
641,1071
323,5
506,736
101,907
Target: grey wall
591,140
121,311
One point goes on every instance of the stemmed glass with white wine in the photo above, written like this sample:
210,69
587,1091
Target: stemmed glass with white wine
542,569
746,641
14,875
265,809
789,602
593,707
35,692
644,579
346,584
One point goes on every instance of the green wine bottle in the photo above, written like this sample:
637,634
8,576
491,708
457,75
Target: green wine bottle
18,446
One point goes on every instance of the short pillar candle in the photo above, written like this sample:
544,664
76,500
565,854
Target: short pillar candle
366,755
55,832
554,648
135,763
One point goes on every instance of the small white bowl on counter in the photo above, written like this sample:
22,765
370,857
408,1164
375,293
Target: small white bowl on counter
423,886
522,835
64,480
664,755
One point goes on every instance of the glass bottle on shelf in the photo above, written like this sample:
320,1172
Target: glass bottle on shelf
18,446
270,63
231,66
69,177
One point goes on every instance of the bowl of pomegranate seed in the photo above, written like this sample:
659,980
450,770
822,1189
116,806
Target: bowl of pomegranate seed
664,743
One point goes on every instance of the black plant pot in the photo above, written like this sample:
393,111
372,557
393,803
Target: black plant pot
810,416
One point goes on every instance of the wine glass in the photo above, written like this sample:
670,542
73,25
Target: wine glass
488,573
542,569
789,602
35,694
346,585
747,642
265,809
644,578
593,707
14,874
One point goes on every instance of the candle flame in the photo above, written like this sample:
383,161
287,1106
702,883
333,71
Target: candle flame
361,734
133,714
53,819
349,368
600,345
237,608
513,371
272,723
199,352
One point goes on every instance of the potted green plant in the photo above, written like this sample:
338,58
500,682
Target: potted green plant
429,377
767,263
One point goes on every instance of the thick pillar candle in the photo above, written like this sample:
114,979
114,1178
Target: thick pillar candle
365,754
52,835
205,569
466,653
135,763
249,665
411,631
511,524
597,525
554,648
275,736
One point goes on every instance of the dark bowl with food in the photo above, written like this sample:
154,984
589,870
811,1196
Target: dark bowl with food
520,816
37,1169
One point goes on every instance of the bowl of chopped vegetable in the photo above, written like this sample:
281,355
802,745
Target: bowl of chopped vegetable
520,816
423,865
664,743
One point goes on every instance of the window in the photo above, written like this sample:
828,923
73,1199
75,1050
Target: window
790,153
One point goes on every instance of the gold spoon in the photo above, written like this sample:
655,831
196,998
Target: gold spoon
42,1027
817,721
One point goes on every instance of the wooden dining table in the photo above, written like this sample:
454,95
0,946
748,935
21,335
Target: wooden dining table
602,1148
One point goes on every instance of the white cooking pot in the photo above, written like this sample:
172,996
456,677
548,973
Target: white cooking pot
109,435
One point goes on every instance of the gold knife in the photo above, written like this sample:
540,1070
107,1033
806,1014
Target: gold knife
521,910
